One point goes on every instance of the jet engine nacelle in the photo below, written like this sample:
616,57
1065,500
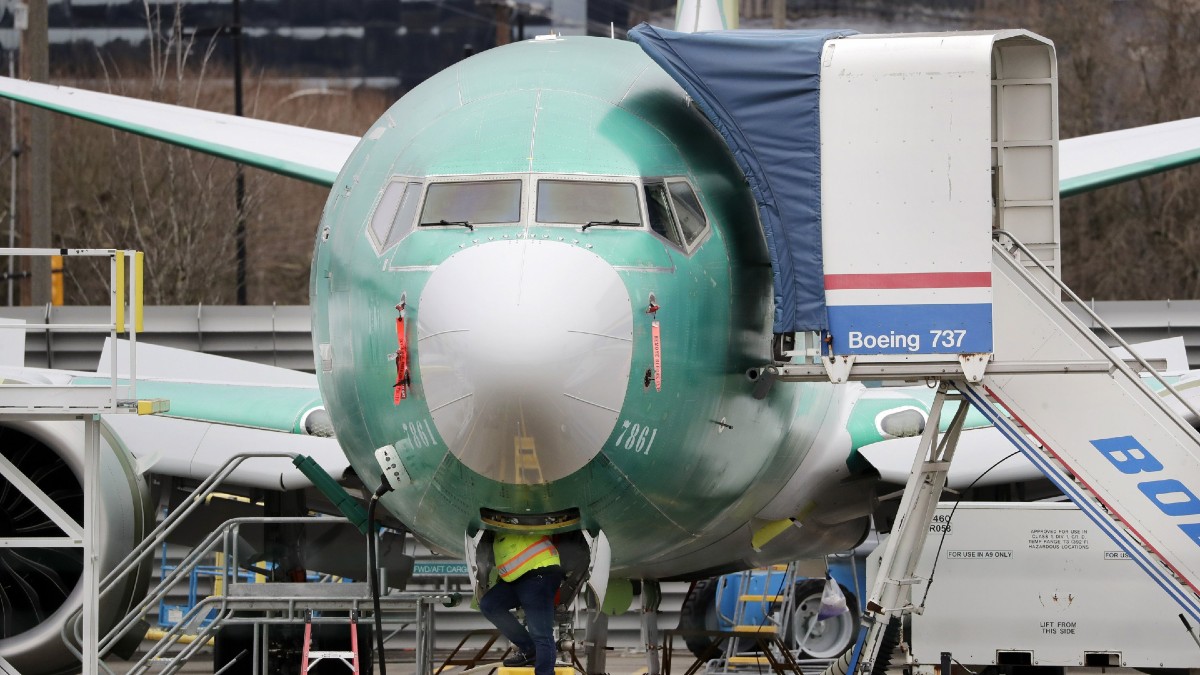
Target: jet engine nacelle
40,588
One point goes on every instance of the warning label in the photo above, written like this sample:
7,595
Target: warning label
977,555
1058,627
1059,539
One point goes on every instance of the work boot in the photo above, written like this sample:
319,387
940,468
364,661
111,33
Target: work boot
519,659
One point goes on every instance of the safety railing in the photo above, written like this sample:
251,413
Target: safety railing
52,395
225,540
1031,258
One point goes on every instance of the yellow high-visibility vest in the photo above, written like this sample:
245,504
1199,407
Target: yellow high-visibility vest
517,554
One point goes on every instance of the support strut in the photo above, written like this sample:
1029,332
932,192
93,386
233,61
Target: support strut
891,596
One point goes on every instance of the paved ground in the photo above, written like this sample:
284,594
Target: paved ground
620,662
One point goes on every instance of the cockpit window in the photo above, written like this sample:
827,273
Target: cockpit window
393,216
403,223
385,211
658,208
587,203
687,210
471,203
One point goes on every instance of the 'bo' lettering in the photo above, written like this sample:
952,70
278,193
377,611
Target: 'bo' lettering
1180,500
1128,455
1192,530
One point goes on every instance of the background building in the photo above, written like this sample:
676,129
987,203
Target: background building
391,44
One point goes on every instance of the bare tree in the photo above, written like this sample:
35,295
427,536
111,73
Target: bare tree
1124,64
126,192
117,190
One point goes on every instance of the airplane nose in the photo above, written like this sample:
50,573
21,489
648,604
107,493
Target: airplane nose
524,350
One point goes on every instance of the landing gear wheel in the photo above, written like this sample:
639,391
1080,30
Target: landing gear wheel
821,639
699,612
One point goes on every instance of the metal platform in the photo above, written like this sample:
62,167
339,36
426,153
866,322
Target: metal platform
85,404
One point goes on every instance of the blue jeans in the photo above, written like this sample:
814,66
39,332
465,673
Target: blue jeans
534,591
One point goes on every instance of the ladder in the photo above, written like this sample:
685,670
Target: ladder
311,658
763,606
527,467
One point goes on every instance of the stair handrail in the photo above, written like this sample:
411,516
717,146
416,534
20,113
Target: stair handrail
156,537
184,567
1096,317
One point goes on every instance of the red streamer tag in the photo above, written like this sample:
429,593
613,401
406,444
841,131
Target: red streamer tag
400,391
656,343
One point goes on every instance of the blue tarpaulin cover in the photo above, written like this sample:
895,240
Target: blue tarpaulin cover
761,90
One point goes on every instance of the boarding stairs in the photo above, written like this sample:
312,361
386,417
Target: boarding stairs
1077,411
1122,452
947,144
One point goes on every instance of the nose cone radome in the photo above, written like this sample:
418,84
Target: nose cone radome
524,351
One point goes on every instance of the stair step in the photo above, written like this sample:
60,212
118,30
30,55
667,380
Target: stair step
761,598
749,661
756,629
331,655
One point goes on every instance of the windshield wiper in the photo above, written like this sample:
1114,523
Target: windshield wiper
614,221
459,223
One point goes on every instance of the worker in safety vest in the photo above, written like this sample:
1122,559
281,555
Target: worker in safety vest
530,573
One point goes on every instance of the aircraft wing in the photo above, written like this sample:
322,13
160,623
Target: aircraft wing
308,154
1085,163
984,457
193,448
1092,162
220,407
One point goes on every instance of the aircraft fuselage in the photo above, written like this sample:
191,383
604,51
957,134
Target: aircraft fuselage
583,286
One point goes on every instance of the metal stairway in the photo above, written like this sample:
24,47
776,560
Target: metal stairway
1076,410
1099,433
764,605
